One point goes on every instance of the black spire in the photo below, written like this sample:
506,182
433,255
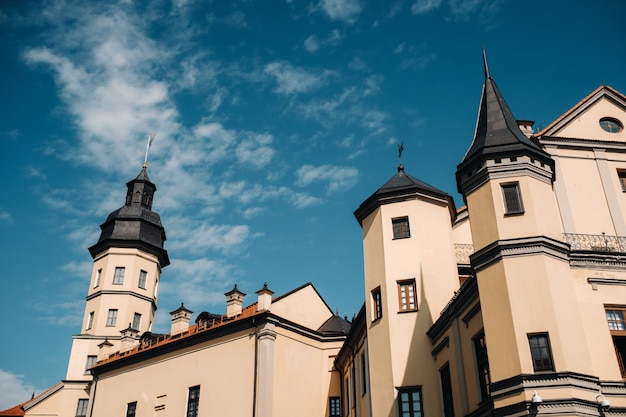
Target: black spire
497,134
134,224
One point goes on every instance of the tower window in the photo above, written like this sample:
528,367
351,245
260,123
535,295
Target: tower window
136,321
118,278
410,402
540,352
401,228
112,317
621,175
446,391
193,401
482,365
91,361
407,299
89,321
377,304
512,198
143,275
131,409
334,407
611,125
97,280
81,408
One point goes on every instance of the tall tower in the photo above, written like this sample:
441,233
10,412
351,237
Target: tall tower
123,290
410,275
532,323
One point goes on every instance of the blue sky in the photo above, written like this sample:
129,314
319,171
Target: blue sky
274,121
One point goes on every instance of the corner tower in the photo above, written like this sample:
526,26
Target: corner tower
528,299
123,290
410,275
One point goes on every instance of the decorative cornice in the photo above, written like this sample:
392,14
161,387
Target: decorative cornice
463,299
125,292
523,382
597,260
492,171
441,346
605,281
526,246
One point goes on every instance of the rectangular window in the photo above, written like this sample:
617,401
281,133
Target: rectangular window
377,305
193,401
482,365
446,391
621,174
89,321
97,280
334,406
363,374
112,317
401,228
143,275
81,408
406,295
346,395
617,327
131,409
512,198
91,361
136,321
410,402
540,352
118,278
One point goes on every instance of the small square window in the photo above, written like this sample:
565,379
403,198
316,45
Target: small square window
540,352
621,175
112,318
143,275
512,198
410,402
407,298
118,278
377,304
401,228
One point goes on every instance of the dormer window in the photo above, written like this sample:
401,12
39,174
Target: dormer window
611,125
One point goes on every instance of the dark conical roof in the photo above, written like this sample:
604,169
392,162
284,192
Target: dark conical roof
497,133
134,224
400,187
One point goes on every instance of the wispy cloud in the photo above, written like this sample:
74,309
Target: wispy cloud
425,6
336,178
343,10
292,80
14,389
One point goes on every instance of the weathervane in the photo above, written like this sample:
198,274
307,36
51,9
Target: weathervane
400,150
150,139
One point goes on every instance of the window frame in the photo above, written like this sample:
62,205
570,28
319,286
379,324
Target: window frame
131,409
403,286
81,407
401,227
334,406
377,304
508,203
91,361
617,330
112,317
410,392
96,282
483,372
447,395
193,401
90,317
363,374
136,324
143,279
621,177
541,354
118,275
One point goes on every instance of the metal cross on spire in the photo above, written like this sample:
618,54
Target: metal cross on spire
150,139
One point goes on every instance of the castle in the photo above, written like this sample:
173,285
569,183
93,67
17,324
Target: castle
511,305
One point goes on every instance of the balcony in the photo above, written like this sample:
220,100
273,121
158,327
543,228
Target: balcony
596,243
463,252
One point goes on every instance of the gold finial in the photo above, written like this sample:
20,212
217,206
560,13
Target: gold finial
150,139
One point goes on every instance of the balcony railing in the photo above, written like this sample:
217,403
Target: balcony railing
463,252
601,243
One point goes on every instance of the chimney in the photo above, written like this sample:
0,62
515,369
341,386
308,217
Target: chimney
129,338
105,349
234,302
265,298
526,126
180,319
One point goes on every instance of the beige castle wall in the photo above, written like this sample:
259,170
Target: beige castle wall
587,124
304,307
59,404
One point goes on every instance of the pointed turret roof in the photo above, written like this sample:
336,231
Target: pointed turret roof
497,133
400,187
135,224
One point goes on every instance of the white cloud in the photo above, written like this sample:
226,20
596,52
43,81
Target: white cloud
337,178
203,236
424,6
255,150
344,10
311,44
14,389
292,80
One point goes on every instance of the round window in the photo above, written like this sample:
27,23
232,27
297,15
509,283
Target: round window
611,125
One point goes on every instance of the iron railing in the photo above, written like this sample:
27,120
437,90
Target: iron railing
602,243
463,252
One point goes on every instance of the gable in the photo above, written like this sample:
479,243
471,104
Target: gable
583,120
303,306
